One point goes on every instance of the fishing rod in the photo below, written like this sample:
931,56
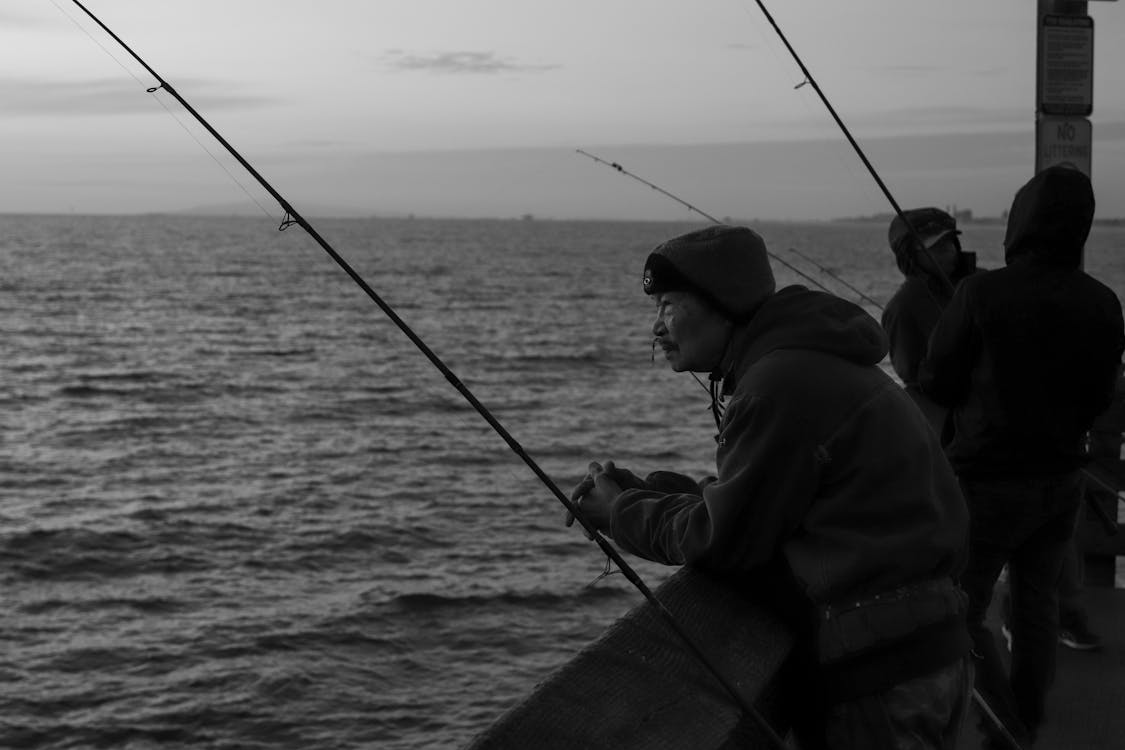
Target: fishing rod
855,145
894,204
1109,524
291,217
620,169
980,700
615,166
657,188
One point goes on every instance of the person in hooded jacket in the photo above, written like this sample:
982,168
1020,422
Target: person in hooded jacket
932,264
1026,357
833,499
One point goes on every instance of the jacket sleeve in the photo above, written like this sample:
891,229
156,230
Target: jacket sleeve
946,371
907,341
767,475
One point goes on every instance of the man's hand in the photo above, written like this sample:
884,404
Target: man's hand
594,496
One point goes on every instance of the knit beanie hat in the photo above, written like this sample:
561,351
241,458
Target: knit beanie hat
726,266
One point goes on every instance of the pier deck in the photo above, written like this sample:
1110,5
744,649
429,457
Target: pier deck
1086,708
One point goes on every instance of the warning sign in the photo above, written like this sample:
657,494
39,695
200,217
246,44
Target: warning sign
1066,65
1063,140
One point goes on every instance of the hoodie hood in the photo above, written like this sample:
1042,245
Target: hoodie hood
1050,218
797,318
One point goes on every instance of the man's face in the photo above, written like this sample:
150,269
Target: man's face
692,334
944,254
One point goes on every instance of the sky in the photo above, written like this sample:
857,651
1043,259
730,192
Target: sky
477,107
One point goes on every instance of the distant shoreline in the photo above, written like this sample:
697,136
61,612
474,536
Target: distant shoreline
976,220
329,214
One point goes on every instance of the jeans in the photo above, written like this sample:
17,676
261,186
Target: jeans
1026,523
1071,610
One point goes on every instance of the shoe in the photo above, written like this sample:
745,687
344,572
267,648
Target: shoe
1079,638
1007,633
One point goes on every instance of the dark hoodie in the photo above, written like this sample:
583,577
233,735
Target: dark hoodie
826,470
1027,356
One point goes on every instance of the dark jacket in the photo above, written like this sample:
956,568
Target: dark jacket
1028,355
913,312
824,466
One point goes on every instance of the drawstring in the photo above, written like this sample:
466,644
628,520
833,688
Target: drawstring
717,405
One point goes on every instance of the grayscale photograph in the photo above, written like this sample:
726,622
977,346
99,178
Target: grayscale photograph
524,375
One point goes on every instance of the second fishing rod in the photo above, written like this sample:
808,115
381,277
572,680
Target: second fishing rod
982,703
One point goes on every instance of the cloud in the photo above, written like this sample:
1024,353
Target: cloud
909,70
29,98
10,20
990,72
481,63
922,69
318,144
943,118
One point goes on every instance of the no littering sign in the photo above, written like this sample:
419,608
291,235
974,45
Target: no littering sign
1064,140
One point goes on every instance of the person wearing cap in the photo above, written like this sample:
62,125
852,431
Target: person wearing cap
832,500
1026,357
928,252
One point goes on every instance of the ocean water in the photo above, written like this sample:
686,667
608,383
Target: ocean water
238,508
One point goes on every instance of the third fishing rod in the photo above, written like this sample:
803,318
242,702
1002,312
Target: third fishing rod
855,145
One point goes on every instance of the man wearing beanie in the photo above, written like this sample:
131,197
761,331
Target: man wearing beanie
1026,357
833,501
928,252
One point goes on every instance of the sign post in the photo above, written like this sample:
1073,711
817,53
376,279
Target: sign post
1064,91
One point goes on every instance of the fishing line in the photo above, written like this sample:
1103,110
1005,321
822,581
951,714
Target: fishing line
834,275
292,216
161,102
214,157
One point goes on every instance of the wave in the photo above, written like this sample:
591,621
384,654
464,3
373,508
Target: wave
83,554
418,602
556,359
90,391
130,376
150,387
143,605
280,353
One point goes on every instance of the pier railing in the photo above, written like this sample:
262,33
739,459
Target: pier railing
1099,533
